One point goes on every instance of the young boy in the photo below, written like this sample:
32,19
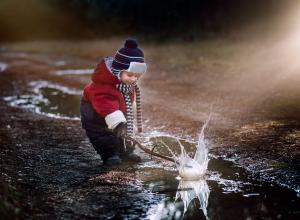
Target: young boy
107,104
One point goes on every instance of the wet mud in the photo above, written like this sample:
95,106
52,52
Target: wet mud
49,170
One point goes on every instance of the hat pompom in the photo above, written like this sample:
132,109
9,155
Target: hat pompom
130,43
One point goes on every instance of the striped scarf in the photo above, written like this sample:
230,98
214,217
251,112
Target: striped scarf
127,90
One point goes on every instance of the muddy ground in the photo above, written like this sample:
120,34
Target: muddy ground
49,170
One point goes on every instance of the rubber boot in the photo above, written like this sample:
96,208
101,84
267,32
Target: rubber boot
130,155
113,161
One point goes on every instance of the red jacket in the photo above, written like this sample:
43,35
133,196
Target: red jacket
102,92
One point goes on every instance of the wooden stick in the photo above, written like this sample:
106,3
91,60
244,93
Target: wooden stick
146,150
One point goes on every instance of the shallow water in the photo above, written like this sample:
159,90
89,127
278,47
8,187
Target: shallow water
226,192
50,99
232,192
55,97
3,66
73,72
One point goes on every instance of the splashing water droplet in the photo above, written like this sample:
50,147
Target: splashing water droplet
192,168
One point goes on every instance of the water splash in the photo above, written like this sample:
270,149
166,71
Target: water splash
192,168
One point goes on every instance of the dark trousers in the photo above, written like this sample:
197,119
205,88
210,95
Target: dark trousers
102,139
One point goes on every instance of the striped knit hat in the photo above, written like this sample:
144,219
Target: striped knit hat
129,58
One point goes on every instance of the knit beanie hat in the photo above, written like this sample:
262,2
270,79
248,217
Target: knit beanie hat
129,58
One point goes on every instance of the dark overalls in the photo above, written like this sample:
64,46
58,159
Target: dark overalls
102,138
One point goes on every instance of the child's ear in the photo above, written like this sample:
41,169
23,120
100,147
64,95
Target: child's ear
120,74
138,75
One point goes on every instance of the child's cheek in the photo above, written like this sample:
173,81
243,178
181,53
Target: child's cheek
123,79
126,81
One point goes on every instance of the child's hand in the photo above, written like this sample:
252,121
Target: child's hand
121,130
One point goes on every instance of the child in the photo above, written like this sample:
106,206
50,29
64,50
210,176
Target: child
107,103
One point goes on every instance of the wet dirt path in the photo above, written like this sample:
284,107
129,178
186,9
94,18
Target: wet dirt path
60,175
53,165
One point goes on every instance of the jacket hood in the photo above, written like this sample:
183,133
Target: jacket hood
103,73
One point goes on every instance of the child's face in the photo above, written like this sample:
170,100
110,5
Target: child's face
129,78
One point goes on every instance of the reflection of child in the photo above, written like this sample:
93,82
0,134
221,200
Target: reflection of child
107,103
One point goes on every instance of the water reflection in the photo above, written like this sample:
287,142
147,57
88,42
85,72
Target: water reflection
187,191
191,202
49,99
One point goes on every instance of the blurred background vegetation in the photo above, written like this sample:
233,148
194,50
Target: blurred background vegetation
151,19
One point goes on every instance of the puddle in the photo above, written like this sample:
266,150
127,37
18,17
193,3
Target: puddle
49,99
73,72
3,66
226,192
